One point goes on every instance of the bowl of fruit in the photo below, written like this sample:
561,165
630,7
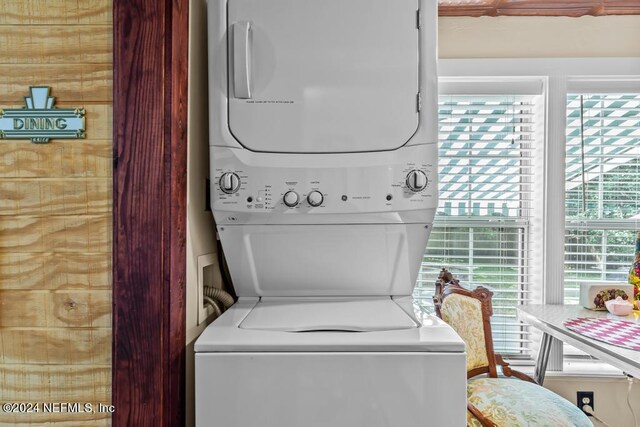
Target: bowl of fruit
607,295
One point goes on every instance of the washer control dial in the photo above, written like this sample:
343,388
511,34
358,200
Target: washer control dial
315,198
291,199
417,180
229,182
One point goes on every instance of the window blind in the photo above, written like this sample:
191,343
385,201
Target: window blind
482,228
602,188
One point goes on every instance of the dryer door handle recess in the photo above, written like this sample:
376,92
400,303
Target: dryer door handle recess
242,60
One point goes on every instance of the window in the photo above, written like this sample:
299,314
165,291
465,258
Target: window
522,211
482,229
602,188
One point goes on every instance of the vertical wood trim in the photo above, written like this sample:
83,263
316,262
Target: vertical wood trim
176,203
149,190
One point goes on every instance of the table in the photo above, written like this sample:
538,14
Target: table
549,319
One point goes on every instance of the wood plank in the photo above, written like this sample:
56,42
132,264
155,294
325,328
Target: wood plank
56,44
51,309
175,200
60,420
60,346
98,118
86,233
139,346
72,83
22,309
80,308
54,383
64,159
149,211
80,196
22,271
67,12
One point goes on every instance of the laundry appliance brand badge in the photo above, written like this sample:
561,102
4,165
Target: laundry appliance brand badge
40,121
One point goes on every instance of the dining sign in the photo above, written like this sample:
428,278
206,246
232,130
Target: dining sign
40,121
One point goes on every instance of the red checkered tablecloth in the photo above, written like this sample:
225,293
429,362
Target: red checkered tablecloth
616,332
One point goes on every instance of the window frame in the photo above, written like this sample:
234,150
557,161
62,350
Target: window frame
530,90
606,225
559,77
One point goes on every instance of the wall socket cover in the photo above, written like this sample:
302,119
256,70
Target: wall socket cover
585,398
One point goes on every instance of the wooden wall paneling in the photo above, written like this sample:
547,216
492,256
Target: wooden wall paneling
35,196
77,233
83,382
55,309
55,271
149,211
57,419
55,383
80,159
55,214
60,346
56,12
72,83
56,44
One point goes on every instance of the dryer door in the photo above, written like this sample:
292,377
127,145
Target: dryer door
323,76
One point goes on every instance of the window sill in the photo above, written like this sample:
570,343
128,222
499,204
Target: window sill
572,368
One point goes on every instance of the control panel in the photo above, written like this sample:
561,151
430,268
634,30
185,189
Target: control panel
292,184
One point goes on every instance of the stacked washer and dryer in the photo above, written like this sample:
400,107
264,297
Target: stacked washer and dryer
323,144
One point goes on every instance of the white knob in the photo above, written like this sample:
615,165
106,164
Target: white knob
229,182
417,180
315,198
291,198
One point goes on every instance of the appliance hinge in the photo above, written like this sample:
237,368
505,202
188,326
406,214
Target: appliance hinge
418,19
419,101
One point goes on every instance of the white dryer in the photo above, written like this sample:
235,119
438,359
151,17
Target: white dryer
323,142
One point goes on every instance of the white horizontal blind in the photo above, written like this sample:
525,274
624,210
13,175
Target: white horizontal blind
602,188
482,228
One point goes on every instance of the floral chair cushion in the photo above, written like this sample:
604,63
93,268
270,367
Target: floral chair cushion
464,314
515,403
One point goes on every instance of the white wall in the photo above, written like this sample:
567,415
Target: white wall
539,37
609,396
201,238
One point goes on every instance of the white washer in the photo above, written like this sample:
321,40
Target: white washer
256,365
323,137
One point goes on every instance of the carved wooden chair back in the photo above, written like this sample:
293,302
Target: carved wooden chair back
469,314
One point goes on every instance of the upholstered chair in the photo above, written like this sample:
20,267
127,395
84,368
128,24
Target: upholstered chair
511,399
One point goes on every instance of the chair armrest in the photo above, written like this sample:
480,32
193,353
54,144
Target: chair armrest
507,371
486,422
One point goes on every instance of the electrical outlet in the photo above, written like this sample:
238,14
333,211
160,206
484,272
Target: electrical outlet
585,398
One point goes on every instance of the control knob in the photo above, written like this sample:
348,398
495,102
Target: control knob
291,199
229,182
315,198
417,180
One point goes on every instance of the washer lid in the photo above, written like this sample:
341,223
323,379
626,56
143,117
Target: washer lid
323,76
328,314
225,336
